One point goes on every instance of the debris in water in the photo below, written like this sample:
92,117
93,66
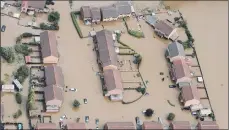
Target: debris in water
147,81
170,103
162,79
161,73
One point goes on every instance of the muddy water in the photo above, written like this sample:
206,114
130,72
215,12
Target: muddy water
208,22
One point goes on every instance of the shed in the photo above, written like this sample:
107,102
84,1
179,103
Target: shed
28,59
175,51
18,85
207,125
151,20
7,88
47,126
189,96
152,125
180,125
119,125
37,39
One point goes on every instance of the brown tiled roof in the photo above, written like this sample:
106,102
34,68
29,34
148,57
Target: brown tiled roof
37,4
180,125
152,125
190,93
112,78
164,27
208,125
106,48
74,126
95,13
85,11
181,69
48,44
119,125
46,126
54,76
53,92
109,11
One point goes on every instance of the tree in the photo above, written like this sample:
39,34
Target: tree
18,98
8,54
149,112
30,102
76,103
23,49
171,116
22,73
54,16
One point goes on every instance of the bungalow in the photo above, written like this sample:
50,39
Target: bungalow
109,13
53,98
95,15
49,50
119,125
54,76
189,96
113,84
175,51
152,125
123,9
32,5
180,71
163,29
86,14
7,88
47,126
105,46
75,126
207,125
180,125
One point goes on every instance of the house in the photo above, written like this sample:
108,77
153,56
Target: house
7,88
86,14
33,5
189,96
49,49
54,76
151,20
175,51
164,29
95,15
180,72
113,84
119,125
152,125
53,98
123,9
2,111
105,46
176,125
207,125
47,126
18,85
109,13
75,126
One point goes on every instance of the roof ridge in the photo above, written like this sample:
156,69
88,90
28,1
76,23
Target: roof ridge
51,49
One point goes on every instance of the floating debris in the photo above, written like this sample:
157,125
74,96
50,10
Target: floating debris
170,103
161,73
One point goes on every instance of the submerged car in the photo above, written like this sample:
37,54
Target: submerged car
3,28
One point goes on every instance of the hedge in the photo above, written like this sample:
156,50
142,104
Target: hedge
73,15
136,34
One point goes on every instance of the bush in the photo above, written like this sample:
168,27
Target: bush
76,24
141,90
76,103
8,54
22,73
53,26
17,114
18,98
31,99
54,16
138,59
23,49
171,116
26,35
136,34
149,112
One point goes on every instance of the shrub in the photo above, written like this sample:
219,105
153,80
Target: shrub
8,54
23,49
171,116
76,103
54,16
25,35
136,34
149,112
22,73
18,98
76,24
53,26
31,99
141,90
17,114
138,59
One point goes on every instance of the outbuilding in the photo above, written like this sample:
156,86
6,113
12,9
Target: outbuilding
7,88
18,85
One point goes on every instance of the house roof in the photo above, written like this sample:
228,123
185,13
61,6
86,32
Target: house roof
180,125
190,93
42,126
181,69
86,11
53,92
176,49
119,125
164,27
38,4
109,11
54,76
123,8
48,44
112,78
74,126
106,48
208,125
152,125
95,13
